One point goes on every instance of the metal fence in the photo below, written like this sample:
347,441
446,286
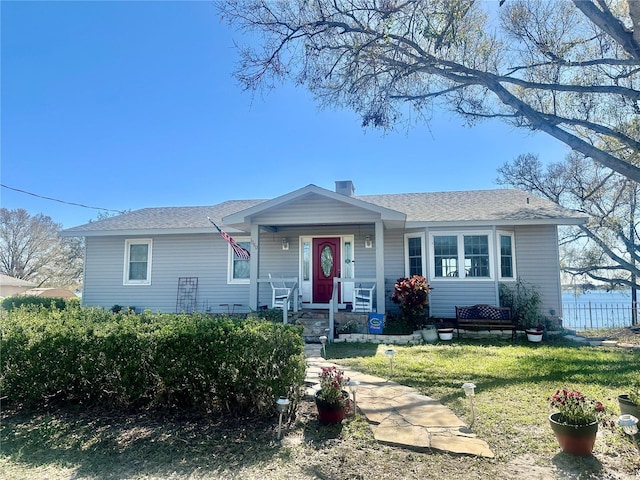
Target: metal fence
593,316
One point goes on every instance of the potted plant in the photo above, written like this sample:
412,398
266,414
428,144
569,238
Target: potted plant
524,301
332,400
575,423
630,402
429,333
412,294
445,333
535,332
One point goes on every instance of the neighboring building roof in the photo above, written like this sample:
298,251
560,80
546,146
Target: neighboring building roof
8,281
50,293
500,206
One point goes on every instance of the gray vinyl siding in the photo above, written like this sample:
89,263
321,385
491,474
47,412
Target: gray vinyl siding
206,256
321,210
537,263
199,255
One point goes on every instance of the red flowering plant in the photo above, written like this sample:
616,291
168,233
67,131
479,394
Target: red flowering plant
577,409
412,294
332,383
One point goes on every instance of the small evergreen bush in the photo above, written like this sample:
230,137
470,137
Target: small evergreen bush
18,301
94,357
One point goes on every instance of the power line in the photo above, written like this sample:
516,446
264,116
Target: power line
59,201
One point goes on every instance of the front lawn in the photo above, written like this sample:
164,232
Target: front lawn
513,383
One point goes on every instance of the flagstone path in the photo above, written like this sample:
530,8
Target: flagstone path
401,416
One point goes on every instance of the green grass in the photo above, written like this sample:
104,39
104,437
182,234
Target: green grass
514,382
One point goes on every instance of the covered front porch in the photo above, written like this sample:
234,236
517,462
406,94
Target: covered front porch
326,247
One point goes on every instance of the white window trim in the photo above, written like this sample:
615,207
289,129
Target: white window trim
230,253
423,248
460,242
505,233
127,251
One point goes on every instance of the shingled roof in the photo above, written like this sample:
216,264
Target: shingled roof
500,205
473,205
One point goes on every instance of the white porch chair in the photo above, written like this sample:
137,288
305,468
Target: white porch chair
279,293
363,298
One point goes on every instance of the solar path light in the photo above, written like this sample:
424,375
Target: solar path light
390,353
353,387
470,391
323,341
629,424
282,404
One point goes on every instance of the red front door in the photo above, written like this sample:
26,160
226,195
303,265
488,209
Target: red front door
326,265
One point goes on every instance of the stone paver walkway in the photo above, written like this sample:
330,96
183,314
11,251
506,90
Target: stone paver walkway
400,415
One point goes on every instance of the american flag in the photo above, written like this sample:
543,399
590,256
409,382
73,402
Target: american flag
239,250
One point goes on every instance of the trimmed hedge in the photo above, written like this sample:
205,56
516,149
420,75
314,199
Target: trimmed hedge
98,358
18,301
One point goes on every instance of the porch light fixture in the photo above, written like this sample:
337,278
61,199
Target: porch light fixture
353,387
629,424
282,404
368,243
323,341
469,391
390,353
285,243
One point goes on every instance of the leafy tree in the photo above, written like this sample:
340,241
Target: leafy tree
605,248
30,249
568,68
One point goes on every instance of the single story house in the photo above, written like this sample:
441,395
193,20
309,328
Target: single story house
10,286
326,245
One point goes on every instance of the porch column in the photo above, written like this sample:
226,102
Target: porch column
253,267
380,286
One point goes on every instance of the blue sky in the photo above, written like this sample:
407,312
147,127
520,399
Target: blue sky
125,105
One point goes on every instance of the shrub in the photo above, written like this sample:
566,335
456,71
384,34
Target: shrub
412,294
120,360
524,301
18,301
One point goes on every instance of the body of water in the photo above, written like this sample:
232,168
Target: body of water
596,309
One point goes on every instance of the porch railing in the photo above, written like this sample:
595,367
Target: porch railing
293,294
333,303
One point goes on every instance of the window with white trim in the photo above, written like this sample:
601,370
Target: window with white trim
239,268
467,255
137,261
415,255
507,260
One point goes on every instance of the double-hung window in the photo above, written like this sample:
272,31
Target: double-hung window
137,261
471,255
239,269
507,261
415,255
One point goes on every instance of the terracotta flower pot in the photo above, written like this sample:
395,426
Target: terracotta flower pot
329,413
576,440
